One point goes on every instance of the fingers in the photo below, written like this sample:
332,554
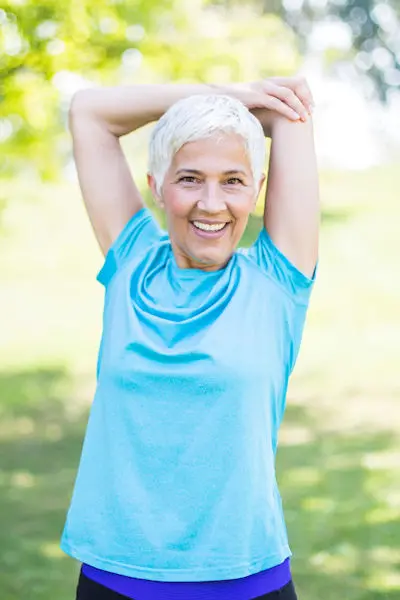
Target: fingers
299,86
280,106
294,91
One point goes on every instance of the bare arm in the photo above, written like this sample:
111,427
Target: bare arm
292,212
292,207
98,118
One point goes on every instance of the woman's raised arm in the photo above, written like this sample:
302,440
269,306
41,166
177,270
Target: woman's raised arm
292,207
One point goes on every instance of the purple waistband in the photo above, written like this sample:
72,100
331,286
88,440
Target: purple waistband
244,588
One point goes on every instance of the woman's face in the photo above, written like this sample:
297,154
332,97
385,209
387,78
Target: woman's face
208,194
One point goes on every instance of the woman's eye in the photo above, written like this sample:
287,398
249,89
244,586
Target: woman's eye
189,179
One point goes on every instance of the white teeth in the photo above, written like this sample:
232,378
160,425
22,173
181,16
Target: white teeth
209,227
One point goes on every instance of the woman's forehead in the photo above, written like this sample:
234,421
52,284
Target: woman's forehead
223,152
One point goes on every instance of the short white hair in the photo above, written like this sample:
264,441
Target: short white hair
198,117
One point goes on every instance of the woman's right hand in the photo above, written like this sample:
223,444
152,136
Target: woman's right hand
290,97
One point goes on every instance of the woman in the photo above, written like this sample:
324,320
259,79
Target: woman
176,496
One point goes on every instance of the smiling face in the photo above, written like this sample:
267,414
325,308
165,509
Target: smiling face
207,194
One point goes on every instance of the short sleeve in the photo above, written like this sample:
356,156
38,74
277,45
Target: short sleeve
140,232
275,264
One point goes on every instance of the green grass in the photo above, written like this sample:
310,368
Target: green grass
339,446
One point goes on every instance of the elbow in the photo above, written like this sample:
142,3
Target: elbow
82,106
88,109
77,108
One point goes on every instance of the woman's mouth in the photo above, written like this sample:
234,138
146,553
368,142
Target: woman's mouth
209,230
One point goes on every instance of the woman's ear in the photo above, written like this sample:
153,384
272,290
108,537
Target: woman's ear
153,187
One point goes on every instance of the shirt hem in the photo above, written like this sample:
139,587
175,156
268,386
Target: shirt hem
193,574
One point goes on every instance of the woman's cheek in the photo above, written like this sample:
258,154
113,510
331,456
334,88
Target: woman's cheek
180,204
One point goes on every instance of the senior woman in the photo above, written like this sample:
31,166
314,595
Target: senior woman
176,496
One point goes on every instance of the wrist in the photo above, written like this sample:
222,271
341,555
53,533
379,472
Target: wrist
240,91
228,89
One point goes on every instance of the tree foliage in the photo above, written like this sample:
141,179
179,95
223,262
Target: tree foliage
373,28
50,48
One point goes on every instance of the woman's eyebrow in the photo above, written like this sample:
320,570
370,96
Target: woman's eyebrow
189,171
233,171
197,172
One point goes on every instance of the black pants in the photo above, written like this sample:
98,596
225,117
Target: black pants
90,590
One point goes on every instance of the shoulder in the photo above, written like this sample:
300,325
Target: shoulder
265,258
140,234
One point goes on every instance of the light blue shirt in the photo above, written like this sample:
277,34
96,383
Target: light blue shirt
177,475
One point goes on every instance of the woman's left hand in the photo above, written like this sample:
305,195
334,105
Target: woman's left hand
287,96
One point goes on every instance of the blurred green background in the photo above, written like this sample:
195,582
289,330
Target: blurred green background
338,463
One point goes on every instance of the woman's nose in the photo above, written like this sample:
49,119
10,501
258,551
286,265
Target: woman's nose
212,200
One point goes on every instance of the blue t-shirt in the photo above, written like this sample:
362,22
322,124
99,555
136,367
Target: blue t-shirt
177,475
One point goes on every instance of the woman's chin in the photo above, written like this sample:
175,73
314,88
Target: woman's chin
210,262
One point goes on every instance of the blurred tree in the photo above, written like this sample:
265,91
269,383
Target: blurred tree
373,27
367,36
49,48
39,40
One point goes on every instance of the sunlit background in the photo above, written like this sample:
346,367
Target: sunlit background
338,464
